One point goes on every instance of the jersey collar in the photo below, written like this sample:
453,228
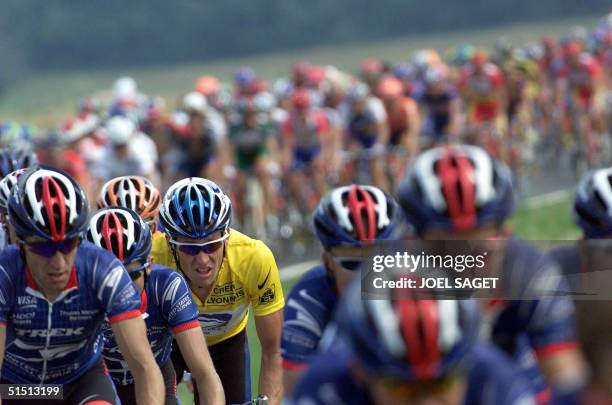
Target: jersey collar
72,283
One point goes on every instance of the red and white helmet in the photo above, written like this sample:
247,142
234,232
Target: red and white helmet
49,204
352,215
459,187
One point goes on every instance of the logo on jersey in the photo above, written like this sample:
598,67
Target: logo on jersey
171,290
24,300
260,286
225,294
268,295
111,281
214,322
52,352
50,332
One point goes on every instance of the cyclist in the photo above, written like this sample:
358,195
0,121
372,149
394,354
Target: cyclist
129,151
204,143
166,306
346,220
10,161
227,273
593,213
6,186
580,90
252,137
404,126
461,193
15,158
372,70
56,291
306,147
481,84
409,350
442,108
136,193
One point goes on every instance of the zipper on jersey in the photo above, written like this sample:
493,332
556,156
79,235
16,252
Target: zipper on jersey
48,339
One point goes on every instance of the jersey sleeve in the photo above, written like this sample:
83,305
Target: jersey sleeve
263,281
550,318
304,320
7,289
177,306
116,292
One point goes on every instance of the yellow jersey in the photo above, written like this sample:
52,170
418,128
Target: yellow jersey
248,278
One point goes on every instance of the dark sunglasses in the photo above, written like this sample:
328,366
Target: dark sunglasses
406,390
192,249
349,263
136,273
49,249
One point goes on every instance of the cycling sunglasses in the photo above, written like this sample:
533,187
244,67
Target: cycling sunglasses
49,249
349,263
402,389
137,272
192,249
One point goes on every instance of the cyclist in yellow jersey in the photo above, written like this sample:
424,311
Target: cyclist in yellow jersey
228,273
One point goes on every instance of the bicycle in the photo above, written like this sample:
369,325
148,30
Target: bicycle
260,400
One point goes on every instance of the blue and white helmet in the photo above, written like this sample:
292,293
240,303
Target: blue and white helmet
195,208
593,204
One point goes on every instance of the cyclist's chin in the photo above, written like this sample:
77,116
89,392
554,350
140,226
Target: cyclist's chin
57,280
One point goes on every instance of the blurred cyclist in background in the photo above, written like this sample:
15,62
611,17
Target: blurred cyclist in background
592,254
461,193
410,350
347,220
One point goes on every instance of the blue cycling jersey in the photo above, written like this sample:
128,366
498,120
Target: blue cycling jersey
491,379
168,308
57,342
530,329
308,310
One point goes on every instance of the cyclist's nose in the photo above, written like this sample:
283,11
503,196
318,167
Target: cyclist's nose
202,258
58,260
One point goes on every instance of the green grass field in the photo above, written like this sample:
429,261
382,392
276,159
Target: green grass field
548,222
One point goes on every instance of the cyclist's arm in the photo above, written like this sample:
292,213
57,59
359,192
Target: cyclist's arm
565,370
195,352
410,137
270,375
149,384
2,342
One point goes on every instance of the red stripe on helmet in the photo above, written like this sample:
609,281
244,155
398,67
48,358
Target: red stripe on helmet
111,225
50,202
360,202
419,324
457,178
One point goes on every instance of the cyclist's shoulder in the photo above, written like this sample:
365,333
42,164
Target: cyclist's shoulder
89,255
240,244
315,287
11,263
567,257
494,378
526,261
331,369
